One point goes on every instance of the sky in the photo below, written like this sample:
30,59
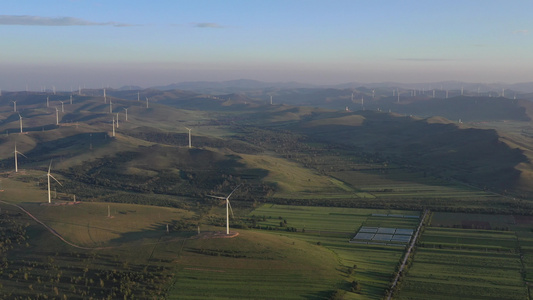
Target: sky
95,44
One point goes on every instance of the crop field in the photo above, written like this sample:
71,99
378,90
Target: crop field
332,228
400,184
454,261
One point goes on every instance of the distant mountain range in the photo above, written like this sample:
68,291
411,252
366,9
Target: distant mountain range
246,85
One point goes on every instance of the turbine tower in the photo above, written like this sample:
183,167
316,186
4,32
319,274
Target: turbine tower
146,102
16,160
113,126
62,106
117,120
47,101
228,207
270,99
57,116
70,98
126,113
110,107
190,146
138,97
50,175
14,105
20,121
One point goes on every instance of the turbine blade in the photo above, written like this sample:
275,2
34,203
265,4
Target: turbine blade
230,209
50,167
217,197
20,154
234,190
55,179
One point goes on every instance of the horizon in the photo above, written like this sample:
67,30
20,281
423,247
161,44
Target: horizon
67,44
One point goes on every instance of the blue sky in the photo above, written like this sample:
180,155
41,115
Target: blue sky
114,43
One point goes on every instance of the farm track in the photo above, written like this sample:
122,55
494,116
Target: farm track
407,254
53,231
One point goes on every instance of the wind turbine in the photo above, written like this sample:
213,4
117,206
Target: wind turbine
16,160
50,175
398,92
113,126
110,106
57,116
270,99
14,105
228,207
62,107
70,98
47,101
20,121
146,102
138,97
117,120
190,146
126,113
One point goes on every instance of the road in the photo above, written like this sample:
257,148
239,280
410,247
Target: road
407,254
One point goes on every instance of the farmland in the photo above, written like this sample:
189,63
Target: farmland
469,256
332,228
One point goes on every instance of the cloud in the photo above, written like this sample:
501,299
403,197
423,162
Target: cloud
46,21
521,31
424,59
207,25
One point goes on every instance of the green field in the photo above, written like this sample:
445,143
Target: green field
454,261
332,228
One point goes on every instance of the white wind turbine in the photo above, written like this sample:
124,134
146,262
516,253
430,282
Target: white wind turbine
70,98
47,101
14,105
57,116
146,102
117,120
113,126
110,106
20,121
228,207
16,160
62,106
190,145
126,113
50,175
